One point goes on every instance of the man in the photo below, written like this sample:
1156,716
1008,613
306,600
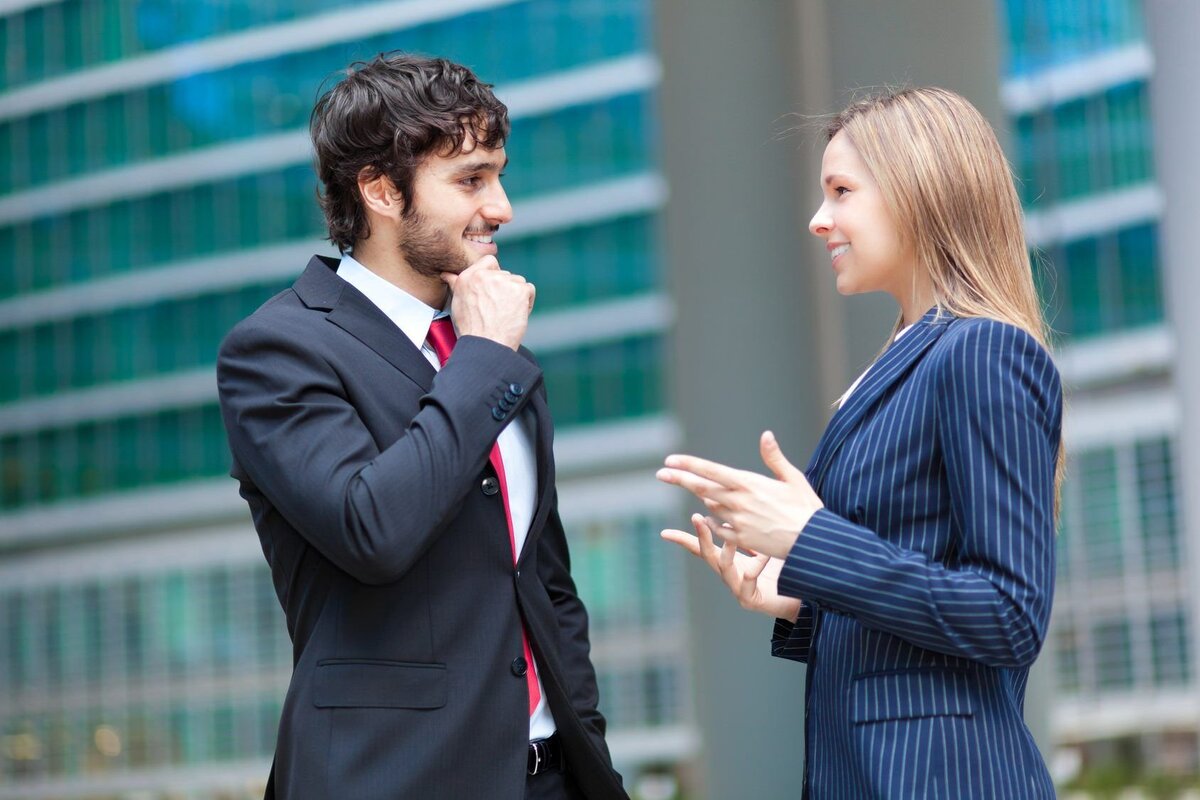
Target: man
398,466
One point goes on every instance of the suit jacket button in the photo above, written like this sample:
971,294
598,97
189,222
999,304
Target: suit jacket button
510,397
517,389
519,666
490,486
498,414
506,404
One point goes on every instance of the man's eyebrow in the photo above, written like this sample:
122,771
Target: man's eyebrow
479,166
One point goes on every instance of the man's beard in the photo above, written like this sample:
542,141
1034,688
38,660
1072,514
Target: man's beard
430,252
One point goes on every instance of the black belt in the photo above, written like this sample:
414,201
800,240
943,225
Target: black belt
545,755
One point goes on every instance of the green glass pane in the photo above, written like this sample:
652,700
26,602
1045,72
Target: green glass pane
41,151
1157,507
14,472
1066,650
1139,276
128,470
1081,270
7,156
1114,655
8,263
75,42
11,365
34,43
92,461
1100,511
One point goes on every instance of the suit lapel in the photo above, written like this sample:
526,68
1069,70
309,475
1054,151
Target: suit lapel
320,288
895,363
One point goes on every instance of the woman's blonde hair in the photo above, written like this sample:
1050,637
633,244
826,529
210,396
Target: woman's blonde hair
951,195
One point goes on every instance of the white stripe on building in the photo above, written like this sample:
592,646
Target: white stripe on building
582,86
255,44
1081,78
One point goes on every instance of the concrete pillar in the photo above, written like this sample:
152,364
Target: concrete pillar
1171,27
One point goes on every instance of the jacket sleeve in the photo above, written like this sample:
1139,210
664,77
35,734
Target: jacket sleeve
999,420
790,640
295,433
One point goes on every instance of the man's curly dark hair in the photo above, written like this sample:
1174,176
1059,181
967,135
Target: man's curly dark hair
386,116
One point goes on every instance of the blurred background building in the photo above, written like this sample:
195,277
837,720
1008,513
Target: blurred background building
1078,90
155,187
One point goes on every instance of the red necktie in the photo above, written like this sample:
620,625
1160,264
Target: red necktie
442,338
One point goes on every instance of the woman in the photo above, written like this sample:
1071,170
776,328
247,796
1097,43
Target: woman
911,565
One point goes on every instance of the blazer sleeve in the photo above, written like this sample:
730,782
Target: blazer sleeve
294,431
999,421
790,640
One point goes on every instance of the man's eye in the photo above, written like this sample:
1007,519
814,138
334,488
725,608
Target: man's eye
471,181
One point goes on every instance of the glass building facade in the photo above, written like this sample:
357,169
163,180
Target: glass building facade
1077,89
155,188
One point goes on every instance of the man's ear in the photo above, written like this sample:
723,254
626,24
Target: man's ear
379,194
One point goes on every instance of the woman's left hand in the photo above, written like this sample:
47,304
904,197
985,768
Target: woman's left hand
764,514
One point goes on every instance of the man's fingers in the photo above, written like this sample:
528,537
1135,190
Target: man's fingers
450,278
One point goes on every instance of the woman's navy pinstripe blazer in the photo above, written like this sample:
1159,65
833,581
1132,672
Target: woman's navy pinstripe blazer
927,579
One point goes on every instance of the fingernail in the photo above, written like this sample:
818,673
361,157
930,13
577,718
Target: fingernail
663,474
672,461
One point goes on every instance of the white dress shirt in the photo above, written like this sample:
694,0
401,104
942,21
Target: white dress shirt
516,440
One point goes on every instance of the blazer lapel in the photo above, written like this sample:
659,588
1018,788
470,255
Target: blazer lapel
320,288
895,363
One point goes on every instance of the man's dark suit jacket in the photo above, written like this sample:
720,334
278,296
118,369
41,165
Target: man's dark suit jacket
364,470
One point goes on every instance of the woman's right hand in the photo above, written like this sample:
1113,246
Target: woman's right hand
751,578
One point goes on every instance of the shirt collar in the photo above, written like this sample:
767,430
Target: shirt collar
408,313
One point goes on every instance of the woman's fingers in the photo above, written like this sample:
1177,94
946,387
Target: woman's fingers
700,546
717,473
685,540
756,567
696,484
708,548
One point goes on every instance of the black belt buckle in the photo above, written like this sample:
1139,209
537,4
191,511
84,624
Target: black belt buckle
543,756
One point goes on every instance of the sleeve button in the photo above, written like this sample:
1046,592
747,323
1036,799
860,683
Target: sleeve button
498,414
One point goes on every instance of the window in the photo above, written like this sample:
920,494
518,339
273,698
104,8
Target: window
1114,656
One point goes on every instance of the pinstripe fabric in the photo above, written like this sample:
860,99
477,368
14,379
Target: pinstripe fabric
928,577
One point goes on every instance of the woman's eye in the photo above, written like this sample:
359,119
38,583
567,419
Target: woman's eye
840,190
